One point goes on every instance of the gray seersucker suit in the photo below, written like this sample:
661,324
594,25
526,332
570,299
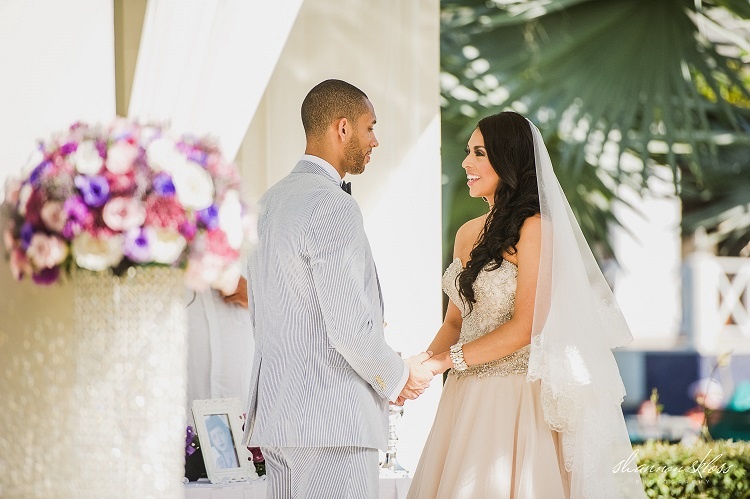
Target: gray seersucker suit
322,370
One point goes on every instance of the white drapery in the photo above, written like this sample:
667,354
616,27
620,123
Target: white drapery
203,66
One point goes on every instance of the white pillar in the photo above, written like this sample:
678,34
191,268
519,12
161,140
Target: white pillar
57,61
647,285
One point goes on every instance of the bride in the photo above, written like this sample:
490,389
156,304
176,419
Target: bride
531,407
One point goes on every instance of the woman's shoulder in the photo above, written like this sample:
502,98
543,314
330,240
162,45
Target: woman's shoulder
468,234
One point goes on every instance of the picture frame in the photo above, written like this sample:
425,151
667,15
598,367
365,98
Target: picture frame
218,423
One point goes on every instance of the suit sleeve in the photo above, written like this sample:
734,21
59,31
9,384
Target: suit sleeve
337,248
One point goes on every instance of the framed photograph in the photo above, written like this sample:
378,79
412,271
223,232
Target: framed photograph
219,426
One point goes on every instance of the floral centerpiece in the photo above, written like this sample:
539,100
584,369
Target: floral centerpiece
123,195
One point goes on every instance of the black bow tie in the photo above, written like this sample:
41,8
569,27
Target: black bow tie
346,186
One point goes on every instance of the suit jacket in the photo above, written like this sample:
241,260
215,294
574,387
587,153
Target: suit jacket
322,370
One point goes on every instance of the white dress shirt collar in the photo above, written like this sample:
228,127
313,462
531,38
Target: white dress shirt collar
328,167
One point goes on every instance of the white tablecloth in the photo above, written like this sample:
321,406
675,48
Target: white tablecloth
390,488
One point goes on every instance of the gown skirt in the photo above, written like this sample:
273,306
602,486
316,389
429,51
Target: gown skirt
490,441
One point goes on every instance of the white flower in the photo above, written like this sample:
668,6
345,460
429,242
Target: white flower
120,157
54,216
230,219
87,159
167,246
163,156
227,280
194,186
46,251
94,253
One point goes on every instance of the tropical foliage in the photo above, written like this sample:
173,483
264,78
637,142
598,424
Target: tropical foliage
618,87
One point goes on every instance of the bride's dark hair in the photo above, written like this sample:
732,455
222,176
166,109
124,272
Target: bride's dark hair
510,150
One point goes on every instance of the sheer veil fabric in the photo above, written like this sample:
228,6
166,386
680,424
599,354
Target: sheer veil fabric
576,324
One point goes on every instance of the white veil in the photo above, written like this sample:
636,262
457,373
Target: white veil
576,324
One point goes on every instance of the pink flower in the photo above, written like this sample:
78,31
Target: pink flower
121,184
19,264
121,156
46,251
201,272
36,201
54,216
165,212
217,244
123,213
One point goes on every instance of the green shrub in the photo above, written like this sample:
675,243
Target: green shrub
718,469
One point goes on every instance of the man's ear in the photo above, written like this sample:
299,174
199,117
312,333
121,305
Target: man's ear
342,128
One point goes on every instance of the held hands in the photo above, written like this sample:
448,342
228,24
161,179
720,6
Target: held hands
420,376
437,364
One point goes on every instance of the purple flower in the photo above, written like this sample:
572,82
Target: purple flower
210,217
46,276
137,245
27,232
188,230
68,148
94,188
189,437
79,217
163,185
198,156
101,146
36,173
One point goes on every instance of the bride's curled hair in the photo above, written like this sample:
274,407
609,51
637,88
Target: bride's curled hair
510,150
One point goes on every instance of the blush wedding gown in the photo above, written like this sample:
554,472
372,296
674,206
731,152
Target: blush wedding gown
490,438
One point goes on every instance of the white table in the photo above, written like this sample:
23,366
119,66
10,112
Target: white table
390,488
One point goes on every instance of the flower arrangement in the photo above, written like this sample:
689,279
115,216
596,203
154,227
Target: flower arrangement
124,195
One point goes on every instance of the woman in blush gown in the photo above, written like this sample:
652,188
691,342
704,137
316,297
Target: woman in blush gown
531,406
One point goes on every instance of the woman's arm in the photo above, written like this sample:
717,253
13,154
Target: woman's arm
516,333
448,333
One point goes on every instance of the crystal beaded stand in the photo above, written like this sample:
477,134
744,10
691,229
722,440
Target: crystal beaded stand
130,383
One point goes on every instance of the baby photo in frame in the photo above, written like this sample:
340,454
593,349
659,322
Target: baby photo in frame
219,426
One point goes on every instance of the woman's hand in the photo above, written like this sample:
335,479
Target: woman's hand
439,363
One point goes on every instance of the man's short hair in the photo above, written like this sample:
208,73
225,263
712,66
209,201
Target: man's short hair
329,101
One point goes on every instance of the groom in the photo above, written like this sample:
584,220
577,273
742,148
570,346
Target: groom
322,374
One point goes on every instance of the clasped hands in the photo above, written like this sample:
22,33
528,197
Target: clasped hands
420,375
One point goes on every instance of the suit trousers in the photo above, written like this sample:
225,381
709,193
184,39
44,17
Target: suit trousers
322,472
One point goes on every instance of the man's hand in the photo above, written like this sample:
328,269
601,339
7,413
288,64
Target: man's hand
239,296
419,377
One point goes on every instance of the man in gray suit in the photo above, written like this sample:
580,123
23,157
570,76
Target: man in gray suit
322,374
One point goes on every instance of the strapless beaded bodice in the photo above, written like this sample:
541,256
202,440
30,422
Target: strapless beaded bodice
495,294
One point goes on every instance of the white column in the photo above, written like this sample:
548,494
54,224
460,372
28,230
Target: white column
57,61
58,68
389,49
648,284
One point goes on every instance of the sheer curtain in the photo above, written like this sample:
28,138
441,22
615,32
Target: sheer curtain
203,66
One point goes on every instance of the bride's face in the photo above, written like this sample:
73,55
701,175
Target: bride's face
481,177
